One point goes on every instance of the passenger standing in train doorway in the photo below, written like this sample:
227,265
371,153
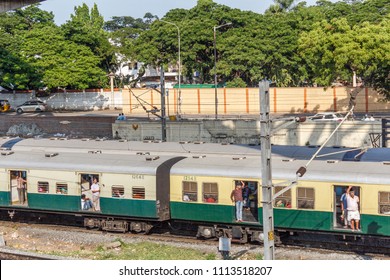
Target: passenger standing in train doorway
245,196
95,188
20,185
353,208
236,197
344,208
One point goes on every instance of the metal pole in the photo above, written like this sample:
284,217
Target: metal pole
112,76
179,99
163,117
178,109
215,73
266,174
215,66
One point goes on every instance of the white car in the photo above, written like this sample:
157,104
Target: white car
31,106
327,116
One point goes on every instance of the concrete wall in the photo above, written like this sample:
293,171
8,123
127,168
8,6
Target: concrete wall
78,101
244,101
233,101
69,126
350,134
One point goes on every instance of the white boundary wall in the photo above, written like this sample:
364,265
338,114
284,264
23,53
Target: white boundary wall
77,101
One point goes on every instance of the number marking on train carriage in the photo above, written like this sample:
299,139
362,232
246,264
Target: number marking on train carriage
189,178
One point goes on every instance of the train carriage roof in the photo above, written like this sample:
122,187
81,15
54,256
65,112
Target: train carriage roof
169,148
133,164
282,169
132,147
376,154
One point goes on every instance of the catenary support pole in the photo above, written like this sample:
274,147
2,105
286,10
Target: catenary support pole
163,117
266,174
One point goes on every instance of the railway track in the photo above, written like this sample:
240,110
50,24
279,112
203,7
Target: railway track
73,236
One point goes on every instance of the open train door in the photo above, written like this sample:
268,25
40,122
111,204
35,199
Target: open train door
339,219
250,207
18,187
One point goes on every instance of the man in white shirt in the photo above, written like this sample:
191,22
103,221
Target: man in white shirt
95,188
353,208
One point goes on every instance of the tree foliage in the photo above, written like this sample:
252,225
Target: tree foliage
291,44
37,54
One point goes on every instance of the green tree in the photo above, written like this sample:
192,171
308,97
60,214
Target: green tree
334,50
86,28
15,71
34,54
124,30
61,63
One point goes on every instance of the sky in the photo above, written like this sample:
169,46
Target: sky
62,9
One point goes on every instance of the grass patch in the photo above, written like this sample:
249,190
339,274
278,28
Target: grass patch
139,251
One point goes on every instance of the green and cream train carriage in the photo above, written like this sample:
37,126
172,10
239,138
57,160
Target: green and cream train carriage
312,205
134,189
141,190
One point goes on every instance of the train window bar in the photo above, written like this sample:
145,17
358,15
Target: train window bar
386,162
288,159
138,192
198,142
122,140
184,142
53,138
85,139
332,161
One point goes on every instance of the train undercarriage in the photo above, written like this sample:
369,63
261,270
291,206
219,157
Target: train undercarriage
236,233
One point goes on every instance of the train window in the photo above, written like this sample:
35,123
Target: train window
139,192
305,198
210,192
119,191
384,203
190,191
283,200
62,188
43,187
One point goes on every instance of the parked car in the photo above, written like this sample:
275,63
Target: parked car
31,106
4,105
327,116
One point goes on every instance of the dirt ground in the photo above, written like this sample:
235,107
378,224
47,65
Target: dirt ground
47,239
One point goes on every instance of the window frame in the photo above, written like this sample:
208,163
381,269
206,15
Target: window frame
120,189
192,193
284,197
141,195
305,198
44,185
384,204
212,194
60,186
